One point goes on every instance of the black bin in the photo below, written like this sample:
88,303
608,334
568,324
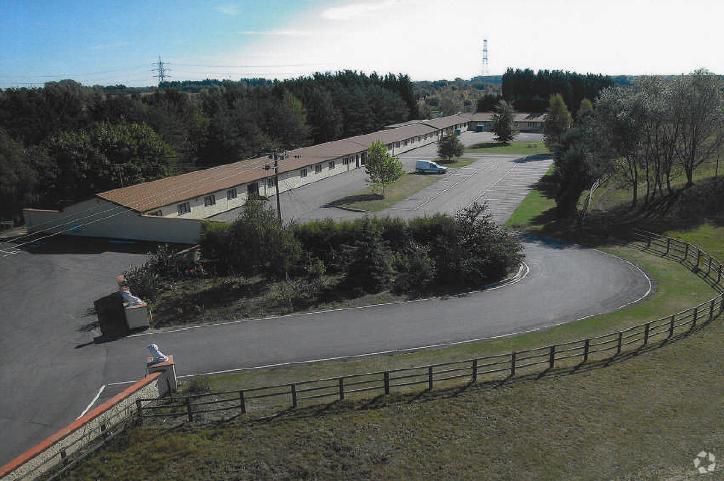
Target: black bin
111,316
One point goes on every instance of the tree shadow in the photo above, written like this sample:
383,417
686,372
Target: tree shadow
354,198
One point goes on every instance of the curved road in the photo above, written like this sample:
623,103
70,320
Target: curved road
51,369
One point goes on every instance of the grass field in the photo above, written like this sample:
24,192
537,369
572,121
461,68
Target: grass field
642,419
458,163
515,147
371,201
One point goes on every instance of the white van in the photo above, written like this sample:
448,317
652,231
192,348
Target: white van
429,167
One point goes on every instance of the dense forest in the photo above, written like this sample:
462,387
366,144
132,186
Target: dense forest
66,141
529,91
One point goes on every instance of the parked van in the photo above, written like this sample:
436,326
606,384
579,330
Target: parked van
429,167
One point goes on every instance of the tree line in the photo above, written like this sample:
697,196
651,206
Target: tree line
65,141
529,91
645,135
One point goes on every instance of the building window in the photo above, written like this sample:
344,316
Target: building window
231,194
270,182
331,164
345,161
318,168
303,172
183,208
155,213
209,200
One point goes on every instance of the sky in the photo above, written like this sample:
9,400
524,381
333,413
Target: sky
112,42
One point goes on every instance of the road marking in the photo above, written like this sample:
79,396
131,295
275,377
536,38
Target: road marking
429,346
98,394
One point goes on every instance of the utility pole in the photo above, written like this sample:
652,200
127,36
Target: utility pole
162,70
277,156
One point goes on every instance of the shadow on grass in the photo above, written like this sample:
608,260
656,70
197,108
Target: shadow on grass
684,210
423,395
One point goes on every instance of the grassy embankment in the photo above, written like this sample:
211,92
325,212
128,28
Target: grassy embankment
517,147
645,418
371,200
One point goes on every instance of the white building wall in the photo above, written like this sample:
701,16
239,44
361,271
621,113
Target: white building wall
288,180
100,218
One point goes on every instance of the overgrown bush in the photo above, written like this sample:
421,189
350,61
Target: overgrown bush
374,254
162,266
369,266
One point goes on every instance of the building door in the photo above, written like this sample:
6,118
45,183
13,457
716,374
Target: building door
252,189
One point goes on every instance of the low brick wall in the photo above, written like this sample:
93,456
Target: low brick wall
58,449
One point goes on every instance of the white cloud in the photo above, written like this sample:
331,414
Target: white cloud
278,33
354,10
430,40
228,9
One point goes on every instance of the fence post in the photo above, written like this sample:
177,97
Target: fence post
474,377
512,364
648,241
63,457
341,389
189,413
552,357
686,251
693,319
647,328
708,266
671,326
294,394
586,345
387,382
619,342
718,276
242,402
429,378
139,409
711,310
698,257
668,246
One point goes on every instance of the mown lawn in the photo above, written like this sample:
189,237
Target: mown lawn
371,200
515,147
457,163
642,419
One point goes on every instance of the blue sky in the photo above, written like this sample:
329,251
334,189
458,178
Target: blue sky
116,42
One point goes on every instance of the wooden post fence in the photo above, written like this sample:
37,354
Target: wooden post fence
294,394
474,377
242,402
387,382
551,357
512,364
586,346
341,389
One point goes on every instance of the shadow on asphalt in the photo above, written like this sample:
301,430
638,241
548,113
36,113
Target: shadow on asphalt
83,245
532,158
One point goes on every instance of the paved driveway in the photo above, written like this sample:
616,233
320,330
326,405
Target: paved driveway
500,180
44,300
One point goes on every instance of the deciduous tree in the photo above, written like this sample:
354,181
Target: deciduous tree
381,167
503,125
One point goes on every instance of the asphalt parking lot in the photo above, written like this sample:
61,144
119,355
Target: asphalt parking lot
500,180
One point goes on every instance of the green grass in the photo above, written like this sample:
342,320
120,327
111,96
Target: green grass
370,200
457,164
641,419
515,147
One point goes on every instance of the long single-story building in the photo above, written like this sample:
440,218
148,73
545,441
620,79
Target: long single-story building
148,211
524,122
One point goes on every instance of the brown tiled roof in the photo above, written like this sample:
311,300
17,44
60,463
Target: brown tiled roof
170,190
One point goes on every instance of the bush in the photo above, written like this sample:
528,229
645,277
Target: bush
415,270
198,385
256,243
162,266
369,266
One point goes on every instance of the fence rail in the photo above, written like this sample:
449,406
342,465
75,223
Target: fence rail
487,368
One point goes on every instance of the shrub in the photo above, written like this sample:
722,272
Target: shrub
198,385
161,267
257,243
415,270
369,266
